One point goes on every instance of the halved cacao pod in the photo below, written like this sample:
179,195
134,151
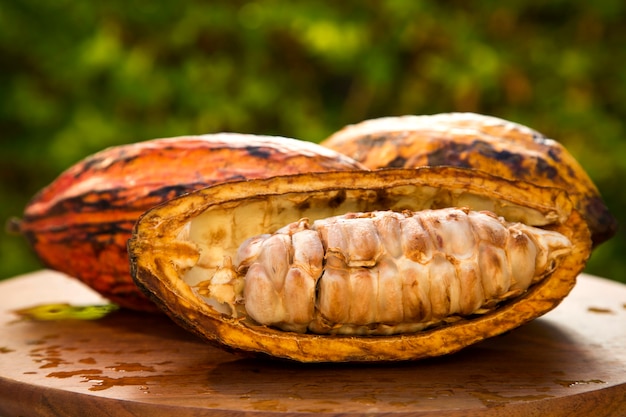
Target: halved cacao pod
470,140
81,222
180,244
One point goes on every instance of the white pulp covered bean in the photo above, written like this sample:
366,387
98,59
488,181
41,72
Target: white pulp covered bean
385,272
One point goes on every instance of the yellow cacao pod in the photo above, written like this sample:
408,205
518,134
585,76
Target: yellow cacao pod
195,257
486,143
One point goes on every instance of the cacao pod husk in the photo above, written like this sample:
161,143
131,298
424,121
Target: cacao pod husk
182,242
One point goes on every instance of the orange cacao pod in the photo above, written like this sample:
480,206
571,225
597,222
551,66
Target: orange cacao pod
81,222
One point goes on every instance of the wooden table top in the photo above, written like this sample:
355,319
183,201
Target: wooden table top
571,362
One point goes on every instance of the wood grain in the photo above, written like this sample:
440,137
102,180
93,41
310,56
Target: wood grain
571,362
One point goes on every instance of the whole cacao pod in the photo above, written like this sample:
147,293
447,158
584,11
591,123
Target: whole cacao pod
486,143
81,222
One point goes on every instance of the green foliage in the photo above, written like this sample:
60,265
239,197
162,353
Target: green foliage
77,77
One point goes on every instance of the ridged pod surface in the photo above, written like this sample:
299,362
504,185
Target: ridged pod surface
182,255
470,140
81,222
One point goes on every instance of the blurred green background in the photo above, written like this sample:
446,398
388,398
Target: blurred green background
76,77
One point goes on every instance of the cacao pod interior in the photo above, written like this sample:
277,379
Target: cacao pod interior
182,242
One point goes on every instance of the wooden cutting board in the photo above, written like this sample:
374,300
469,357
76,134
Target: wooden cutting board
571,362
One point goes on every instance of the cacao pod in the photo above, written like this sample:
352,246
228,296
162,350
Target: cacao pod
81,222
470,140
188,253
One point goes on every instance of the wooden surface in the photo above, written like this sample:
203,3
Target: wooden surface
571,362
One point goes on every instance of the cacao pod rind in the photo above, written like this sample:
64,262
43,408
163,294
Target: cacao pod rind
174,244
